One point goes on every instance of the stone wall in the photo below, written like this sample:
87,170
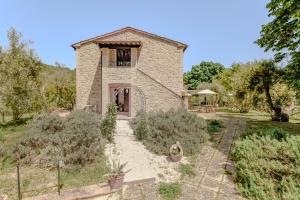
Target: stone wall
155,74
88,76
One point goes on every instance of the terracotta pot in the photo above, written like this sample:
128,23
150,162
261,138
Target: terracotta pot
176,152
116,182
176,158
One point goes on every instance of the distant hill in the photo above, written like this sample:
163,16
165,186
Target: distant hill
51,73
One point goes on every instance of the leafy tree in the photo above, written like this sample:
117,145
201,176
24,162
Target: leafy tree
262,80
203,72
282,35
236,81
59,86
19,75
61,93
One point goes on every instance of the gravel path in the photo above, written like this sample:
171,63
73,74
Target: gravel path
141,163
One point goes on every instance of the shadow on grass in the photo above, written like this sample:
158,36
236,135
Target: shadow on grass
14,123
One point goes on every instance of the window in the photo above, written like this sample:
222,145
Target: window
123,56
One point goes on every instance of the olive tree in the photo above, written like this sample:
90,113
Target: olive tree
19,75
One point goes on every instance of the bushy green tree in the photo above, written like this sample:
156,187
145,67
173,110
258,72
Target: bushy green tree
203,72
282,36
59,87
262,80
236,81
19,75
61,94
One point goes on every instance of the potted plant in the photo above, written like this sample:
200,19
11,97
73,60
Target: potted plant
176,152
117,175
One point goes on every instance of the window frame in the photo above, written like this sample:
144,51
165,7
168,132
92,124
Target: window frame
117,57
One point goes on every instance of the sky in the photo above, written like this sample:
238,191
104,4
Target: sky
221,31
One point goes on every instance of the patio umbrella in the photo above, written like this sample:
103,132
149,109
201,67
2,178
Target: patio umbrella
207,92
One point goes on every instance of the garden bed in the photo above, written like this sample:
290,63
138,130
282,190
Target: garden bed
34,147
275,172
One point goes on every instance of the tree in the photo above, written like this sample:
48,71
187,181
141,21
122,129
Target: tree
203,72
262,80
61,94
19,75
282,36
60,90
235,80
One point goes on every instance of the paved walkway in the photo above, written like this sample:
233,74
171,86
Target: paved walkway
211,181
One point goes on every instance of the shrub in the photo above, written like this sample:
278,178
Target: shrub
108,124
275,173
273,133
75,139
159,131
142,130
215,126
169,191
216,123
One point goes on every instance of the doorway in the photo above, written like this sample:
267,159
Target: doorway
121,97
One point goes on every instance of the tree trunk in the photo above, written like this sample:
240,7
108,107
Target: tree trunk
277,115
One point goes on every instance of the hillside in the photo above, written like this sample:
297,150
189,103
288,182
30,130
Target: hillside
51,73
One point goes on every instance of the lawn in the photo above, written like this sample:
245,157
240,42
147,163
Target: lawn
262,120
35,180
257,115
291,128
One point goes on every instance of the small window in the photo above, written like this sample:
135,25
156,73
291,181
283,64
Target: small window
123,56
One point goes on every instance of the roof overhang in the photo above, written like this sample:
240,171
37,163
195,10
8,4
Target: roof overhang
113,44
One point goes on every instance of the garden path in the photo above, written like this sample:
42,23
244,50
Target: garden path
142,163
213,180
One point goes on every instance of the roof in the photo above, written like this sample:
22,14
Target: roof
206,91
127,42
129,29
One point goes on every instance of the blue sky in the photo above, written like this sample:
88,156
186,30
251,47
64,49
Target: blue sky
216,30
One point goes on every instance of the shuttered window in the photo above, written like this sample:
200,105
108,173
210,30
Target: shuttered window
123,56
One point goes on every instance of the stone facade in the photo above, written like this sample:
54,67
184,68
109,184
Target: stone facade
155,76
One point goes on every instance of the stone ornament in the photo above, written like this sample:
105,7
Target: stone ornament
176,152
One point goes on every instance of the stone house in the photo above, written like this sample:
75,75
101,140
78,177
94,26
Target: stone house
135,69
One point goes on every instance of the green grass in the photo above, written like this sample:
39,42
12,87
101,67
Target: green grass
90,174
257,115
169,191
252,115
263,125
35,180
186,170
262,120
